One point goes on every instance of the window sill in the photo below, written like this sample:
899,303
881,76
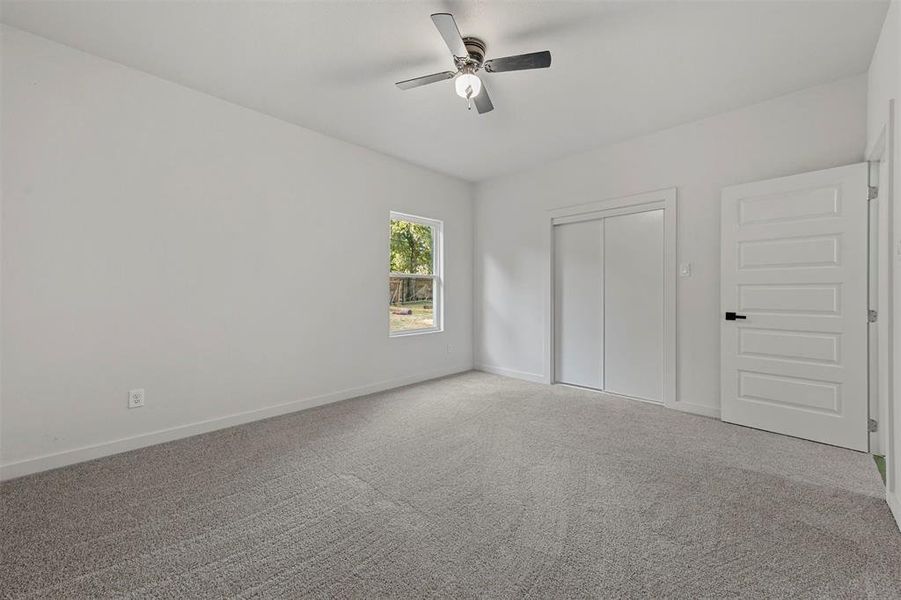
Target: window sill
398,334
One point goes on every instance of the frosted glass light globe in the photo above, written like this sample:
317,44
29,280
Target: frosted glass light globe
464,82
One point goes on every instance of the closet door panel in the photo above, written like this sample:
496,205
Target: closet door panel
579,303
633,282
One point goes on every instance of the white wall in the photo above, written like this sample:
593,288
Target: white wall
814,129
221,259
884,85
883,74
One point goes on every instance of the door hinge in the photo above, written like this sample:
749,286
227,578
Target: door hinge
872,316
872,425
872,192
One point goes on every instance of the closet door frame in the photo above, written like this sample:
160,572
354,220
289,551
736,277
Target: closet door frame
658,200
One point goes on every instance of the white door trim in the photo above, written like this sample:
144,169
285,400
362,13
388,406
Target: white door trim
889,417
661,199
880,159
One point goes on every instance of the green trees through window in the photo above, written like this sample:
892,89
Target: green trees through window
412,283
411,248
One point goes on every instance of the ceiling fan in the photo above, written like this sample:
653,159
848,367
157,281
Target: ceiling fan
469,58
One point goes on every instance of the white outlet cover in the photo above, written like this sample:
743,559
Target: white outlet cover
136,398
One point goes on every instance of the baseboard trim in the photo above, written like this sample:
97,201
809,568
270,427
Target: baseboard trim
894,504
94,451
695,409
513,373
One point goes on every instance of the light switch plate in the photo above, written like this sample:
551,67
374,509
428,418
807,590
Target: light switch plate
136,398
685,269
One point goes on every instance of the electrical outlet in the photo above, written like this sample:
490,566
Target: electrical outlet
136,398
685,269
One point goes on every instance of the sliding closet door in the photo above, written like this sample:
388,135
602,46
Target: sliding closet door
579,303
633,304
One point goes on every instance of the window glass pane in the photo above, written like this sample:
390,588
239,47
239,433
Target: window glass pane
411,303
411,248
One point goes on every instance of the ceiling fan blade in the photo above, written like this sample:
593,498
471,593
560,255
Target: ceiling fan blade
534,60
424,80
447,27
483,101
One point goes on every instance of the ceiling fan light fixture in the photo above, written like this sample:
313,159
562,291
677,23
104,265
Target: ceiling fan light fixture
468,54
468,85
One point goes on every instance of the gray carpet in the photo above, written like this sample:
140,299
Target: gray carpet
473,485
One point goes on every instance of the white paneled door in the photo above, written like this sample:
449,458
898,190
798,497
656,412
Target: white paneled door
633,308
794,302
579,303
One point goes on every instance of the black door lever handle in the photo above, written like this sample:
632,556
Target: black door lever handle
731,316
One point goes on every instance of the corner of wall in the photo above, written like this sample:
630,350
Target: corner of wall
473,188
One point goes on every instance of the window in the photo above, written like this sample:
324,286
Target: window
414,275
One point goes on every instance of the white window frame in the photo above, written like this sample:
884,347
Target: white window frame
437,275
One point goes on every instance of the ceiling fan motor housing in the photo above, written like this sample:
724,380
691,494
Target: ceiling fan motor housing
476,49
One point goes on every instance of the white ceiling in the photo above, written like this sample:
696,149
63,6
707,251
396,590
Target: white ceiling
620,69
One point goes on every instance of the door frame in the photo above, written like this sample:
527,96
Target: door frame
879,274
881,157
665,200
